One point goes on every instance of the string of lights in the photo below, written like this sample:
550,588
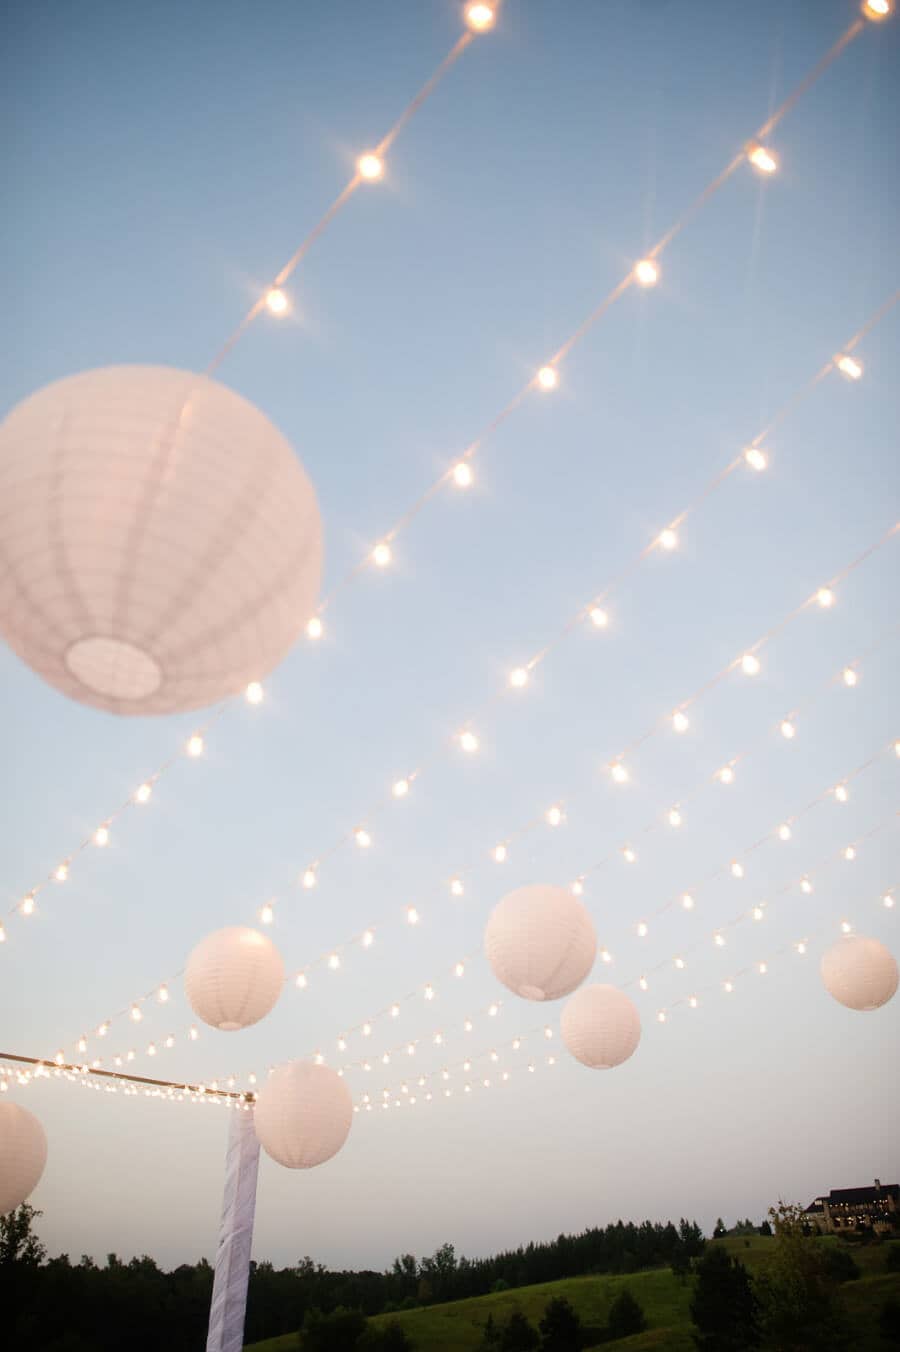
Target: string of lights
331,958
645,273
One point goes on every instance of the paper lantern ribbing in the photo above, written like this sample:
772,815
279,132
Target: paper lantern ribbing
303,1114
600,1026
860,973
23,1154
161,544
233,978
540,942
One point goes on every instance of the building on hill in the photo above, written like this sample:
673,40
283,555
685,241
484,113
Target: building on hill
845,1210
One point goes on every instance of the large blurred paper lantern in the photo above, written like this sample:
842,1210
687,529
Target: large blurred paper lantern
160,543
303,1114
23,1154
860,973
540,942
600,1026
234,977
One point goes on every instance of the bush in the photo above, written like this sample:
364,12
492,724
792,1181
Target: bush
500,1285
408,1303
625,1315
394,1338
560,1327
339,1331
840,1266
724,1308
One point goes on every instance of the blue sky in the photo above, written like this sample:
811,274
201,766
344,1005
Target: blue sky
164,164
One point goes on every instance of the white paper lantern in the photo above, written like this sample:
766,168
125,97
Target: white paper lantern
540,942
600,1026
303,1114
160,543
23,1154
860,973
234,977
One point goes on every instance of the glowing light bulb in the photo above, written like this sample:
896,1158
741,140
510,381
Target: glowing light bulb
680,721
757,913
518,677
309,879
849,676
459,969
193,1034
162,994
646,272
841,793
467,1026
554,815
825,597
806,886
400,788
103,1029
370,166
801,948
661,1016
680,964
462,474
728,987
82,1044
381,554
195,745
60,1058
846,927
151,1049
619,773
788,729
412,915
737,869
136,1014
456,887
27,906
61,873
629,855
643,983
756,458
334,961
410,1049
479,17
642,929
367,1030
750,664
142,793
362,837
605,955
850,853
276,301
301,981
468,741
674,816
266,914
101,836
693,1001
493,1011
762,159
548,378
599,617
668,538
888,901
687,901
368,938
170,1043
500,854
254,693
725,775
2,935
719,940
577,888
428,992
395,1011
849,367
314,627
784,831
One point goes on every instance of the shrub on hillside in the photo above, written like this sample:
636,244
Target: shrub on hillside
724,1308
339,1331
560,1327
519,1335
840,1265
625,1315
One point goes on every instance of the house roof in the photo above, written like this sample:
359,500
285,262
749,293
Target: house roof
852,1196
815,1208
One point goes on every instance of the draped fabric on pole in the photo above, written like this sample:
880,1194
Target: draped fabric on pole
229,1296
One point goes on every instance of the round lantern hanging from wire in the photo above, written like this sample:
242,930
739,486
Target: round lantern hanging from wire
160,542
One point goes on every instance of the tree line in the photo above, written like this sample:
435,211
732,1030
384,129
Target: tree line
65,1306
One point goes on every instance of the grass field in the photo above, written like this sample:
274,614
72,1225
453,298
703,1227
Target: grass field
457,1326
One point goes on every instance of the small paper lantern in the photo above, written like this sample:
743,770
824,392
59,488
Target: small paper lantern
860,973
540,942
303,1114
23,1154
160,541
600,1026
233,978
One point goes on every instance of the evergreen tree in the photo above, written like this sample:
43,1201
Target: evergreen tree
720,1232
625,1315
560,1327
724,1308
518,1335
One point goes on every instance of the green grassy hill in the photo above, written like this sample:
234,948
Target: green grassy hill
457,1326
